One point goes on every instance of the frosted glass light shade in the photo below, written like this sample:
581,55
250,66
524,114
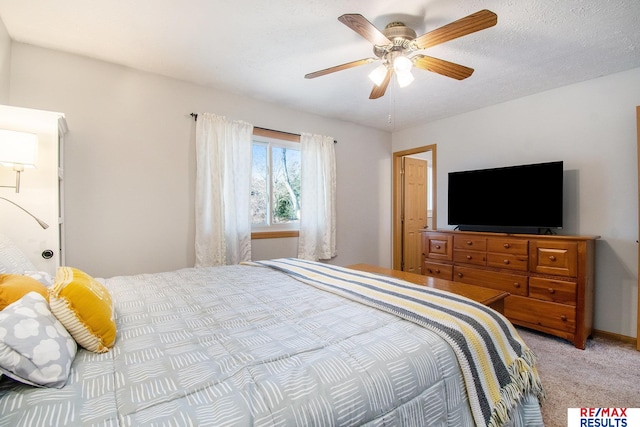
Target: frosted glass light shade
377,75
402,64
18,148
404,78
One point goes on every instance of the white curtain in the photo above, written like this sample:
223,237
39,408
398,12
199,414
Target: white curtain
317,198
223,176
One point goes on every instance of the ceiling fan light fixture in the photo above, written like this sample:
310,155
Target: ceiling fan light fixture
404,78
397,44
402,64
378,74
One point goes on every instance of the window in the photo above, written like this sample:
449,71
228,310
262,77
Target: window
275,184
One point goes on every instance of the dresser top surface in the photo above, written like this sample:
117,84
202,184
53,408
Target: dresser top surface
515,235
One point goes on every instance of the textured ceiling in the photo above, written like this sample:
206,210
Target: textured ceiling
263,49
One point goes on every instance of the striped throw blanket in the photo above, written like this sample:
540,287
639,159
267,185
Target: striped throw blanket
498,367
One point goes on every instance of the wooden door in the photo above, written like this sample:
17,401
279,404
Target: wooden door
397,166
414,206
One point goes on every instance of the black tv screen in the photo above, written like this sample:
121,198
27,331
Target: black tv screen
524,198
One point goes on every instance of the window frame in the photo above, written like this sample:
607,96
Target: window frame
282,139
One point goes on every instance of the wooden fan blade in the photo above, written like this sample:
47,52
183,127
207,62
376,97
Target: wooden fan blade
339,68
379,91
366,29
440,66
467,25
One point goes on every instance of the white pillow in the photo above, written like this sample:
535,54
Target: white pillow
12,260
41,276
35,348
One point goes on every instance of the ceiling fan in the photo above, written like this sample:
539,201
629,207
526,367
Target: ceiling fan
397,44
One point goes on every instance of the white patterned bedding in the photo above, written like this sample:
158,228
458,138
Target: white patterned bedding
243,345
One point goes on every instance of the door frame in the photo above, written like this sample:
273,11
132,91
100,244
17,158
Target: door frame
397,198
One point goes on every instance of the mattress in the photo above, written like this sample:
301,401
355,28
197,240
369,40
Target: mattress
250,346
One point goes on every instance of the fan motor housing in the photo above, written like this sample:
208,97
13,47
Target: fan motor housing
396,30
400,36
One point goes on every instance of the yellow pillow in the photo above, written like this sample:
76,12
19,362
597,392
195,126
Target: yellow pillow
83,305
14,286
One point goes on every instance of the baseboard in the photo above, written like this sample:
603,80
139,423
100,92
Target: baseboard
616,337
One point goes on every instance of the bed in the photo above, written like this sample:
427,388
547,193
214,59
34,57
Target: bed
271,344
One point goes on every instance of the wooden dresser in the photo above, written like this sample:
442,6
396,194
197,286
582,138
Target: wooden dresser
550,278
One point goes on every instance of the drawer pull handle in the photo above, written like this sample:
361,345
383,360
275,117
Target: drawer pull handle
469,242
516,285
552,291
437,271
468,256
563,318
552,258
459,274
506,246
437,246
506,261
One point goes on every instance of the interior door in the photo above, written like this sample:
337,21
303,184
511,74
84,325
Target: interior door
414,207
428,153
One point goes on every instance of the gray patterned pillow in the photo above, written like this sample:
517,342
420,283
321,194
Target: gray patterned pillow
12,260
35,348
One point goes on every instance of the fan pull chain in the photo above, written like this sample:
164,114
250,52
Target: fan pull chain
392,104
389,116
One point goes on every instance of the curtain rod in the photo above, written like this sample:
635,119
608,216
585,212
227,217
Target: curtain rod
195,117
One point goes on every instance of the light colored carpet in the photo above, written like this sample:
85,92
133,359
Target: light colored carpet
605,374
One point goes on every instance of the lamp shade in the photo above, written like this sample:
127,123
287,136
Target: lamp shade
18,148
402,64
404,78
378,74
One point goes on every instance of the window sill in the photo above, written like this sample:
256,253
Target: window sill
274,234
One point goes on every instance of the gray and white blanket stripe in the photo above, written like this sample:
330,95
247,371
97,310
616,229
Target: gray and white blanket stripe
498,367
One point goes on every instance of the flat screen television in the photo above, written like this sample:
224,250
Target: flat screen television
517,199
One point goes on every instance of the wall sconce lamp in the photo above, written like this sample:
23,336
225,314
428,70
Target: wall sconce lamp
41,222
18,150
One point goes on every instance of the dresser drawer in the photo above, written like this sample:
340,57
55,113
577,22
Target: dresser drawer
441,271
541,313
555,258
509,261
470,243
515,284
552,290
508,246
437,246
469,257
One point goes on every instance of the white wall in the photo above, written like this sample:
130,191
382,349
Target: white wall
5,63
591,126
130,163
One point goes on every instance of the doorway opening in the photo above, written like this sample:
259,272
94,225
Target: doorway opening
414,204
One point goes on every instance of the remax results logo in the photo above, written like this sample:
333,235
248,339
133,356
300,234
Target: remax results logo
603,417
